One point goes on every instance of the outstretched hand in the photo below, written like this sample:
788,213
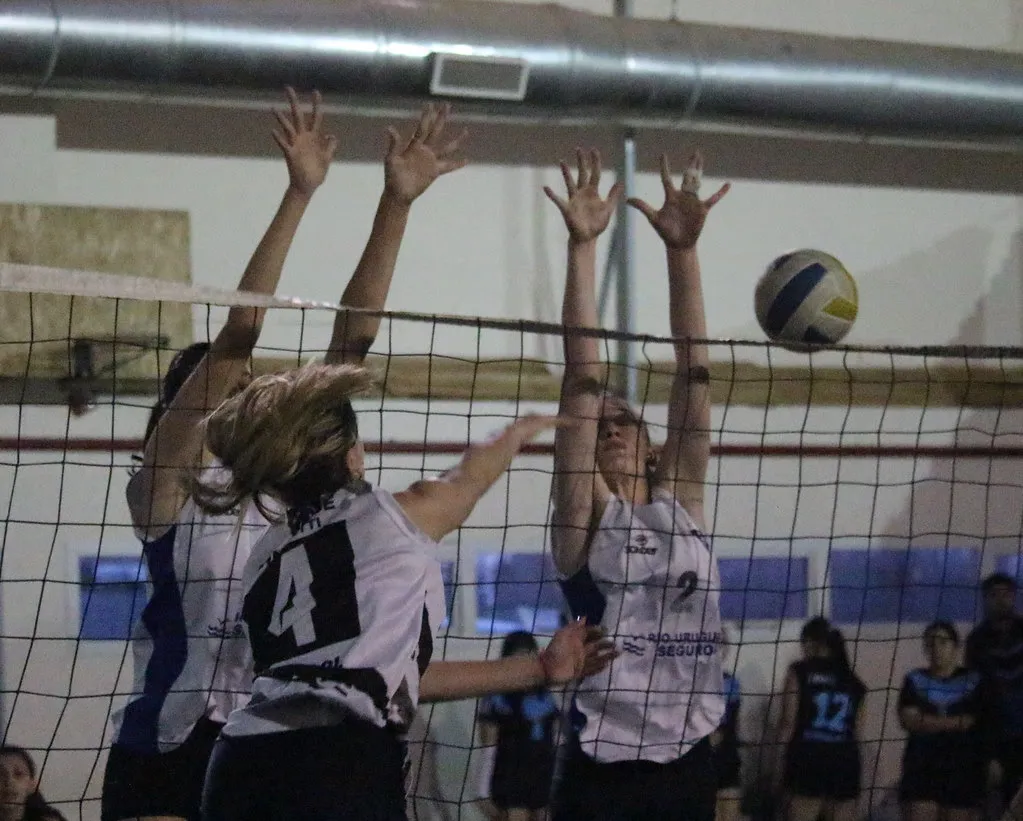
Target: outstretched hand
576,651
307,150
586,213
679,222
412,165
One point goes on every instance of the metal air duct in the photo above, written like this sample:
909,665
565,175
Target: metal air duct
375,53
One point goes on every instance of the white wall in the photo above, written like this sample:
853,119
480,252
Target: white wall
934,266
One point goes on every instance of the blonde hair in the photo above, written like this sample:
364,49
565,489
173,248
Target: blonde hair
284,437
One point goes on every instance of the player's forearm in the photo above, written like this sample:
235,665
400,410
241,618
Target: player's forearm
485,463
451,680
354,333
264,272
685,304
579,310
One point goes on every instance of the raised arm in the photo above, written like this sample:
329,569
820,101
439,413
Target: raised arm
410,168
157,490
440,506
682,463
580,493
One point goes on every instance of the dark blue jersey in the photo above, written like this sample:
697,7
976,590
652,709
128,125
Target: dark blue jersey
525,728
961,694
830,697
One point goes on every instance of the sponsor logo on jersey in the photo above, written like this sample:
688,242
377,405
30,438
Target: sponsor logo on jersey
633,648
226,629
642,545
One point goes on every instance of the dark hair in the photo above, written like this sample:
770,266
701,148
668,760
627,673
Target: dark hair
944,626
517,642
818,630
23,754
181,367
35,803
997,580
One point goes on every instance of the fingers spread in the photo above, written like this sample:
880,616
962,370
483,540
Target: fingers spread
317,113
438,123
447,166
569,181
615,193
644,208
595,168
715,198
287,128
558,201
393,140
669,187
583,168
453,146
296,115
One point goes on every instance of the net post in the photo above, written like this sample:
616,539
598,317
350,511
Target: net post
625,354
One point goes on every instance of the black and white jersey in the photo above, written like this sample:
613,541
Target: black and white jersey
342,602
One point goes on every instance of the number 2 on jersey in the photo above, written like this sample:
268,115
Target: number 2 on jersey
293,606
832,712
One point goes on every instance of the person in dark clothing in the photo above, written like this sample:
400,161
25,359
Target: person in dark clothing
943,708
820,728
995,649
524,724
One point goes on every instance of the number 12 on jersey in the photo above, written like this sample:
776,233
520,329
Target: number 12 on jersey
832,712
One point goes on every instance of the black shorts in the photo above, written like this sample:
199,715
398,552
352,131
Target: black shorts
681,790
138,784
953,783
350,771
728,767
523,784
819,769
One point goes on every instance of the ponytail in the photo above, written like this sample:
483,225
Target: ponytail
837,648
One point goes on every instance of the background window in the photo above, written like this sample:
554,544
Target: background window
904,585
517,591
767,587
112,593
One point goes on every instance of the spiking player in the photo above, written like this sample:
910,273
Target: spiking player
629,536
193,665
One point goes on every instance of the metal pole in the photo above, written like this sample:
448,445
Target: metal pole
625,292
625,354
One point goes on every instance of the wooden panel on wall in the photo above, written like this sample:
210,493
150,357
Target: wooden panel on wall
128,241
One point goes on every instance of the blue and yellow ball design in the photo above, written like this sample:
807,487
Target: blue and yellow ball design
806,297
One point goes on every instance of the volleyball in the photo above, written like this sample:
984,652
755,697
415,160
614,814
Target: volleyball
806,297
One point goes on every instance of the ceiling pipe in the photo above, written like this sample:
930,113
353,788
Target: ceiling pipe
376,54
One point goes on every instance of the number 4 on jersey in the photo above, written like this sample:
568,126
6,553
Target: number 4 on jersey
293,606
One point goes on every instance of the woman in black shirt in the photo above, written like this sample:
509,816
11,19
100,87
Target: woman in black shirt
820,728
522,725
941,706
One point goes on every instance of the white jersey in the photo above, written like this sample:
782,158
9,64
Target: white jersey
652,584
192,659
341,604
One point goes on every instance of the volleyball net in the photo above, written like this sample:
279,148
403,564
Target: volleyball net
875,486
